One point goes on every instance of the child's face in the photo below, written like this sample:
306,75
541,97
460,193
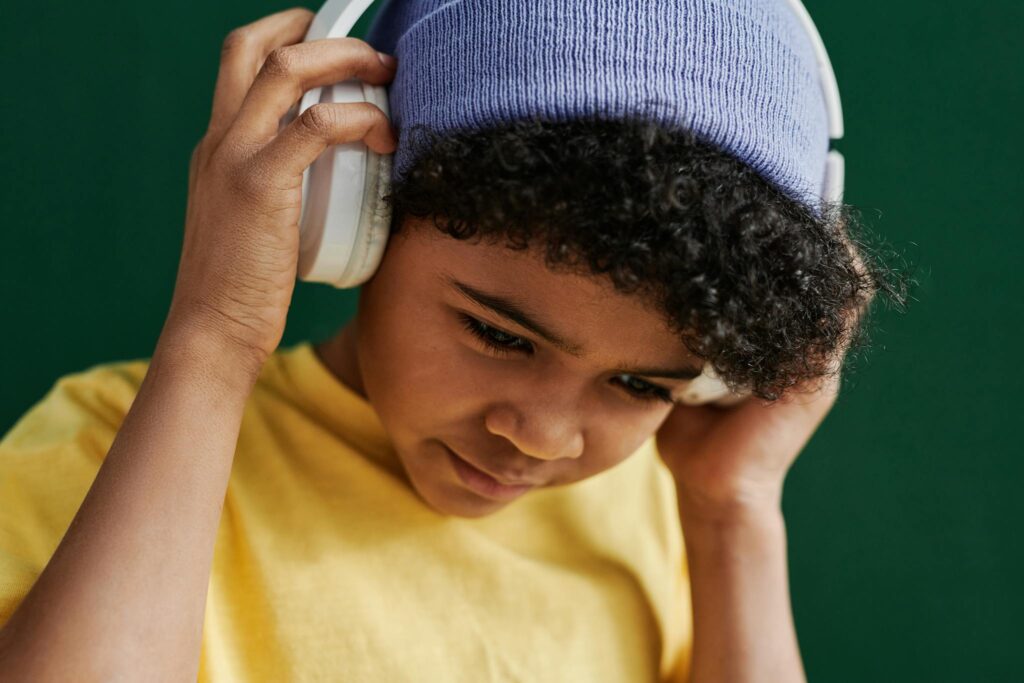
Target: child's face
537,413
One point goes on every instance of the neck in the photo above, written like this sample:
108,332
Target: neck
340,356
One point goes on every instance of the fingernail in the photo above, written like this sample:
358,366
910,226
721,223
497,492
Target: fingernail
387,60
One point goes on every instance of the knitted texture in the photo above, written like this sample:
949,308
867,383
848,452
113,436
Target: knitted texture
740,74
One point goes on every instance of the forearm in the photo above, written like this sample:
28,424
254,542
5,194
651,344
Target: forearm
124,594
742,619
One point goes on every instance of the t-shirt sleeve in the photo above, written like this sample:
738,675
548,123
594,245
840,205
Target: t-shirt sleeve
48,461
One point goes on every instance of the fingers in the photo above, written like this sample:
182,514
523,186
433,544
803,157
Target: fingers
291,70
323,124
242,55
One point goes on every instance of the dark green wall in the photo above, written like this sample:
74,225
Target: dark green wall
902,511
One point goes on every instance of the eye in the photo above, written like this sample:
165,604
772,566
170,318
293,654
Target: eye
645,392
505,344
496,340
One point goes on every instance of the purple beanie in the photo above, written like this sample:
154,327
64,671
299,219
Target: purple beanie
740,74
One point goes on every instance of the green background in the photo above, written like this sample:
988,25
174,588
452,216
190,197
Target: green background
903,511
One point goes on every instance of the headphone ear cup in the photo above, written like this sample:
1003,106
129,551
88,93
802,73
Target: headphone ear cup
374,223
835,177
709,388
345,221
345,218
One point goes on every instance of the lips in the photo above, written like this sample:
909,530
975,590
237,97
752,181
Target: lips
503,479
483,484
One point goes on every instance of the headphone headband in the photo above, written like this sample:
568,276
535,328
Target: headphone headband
835,165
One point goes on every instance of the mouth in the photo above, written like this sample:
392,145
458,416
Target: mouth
483,483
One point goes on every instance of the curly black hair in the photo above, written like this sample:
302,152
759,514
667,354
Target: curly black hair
756,283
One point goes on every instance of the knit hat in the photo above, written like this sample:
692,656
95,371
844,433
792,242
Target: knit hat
740,74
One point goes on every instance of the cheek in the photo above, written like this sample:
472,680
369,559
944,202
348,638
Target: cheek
417,372
611,443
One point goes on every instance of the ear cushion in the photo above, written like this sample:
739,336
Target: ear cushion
374,222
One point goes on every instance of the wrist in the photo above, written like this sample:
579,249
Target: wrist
743,507
753,532
207,357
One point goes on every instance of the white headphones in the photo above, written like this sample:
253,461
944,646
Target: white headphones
345,220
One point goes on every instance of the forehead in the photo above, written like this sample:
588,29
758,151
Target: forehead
586,310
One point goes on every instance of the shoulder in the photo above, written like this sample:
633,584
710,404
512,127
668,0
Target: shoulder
48,461
50,456
92,401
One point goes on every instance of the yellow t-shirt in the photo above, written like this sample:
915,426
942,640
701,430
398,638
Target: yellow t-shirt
329,567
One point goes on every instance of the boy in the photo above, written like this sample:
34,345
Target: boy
463,483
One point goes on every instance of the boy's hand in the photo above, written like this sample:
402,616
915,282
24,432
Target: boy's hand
733,459
240,253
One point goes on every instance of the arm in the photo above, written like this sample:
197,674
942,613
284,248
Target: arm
123,596
742,623
729,466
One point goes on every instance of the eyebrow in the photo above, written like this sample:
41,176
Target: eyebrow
513,312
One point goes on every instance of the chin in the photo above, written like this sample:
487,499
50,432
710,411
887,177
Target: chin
447,499
430,475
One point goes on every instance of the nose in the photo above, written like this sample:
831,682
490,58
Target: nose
538,431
